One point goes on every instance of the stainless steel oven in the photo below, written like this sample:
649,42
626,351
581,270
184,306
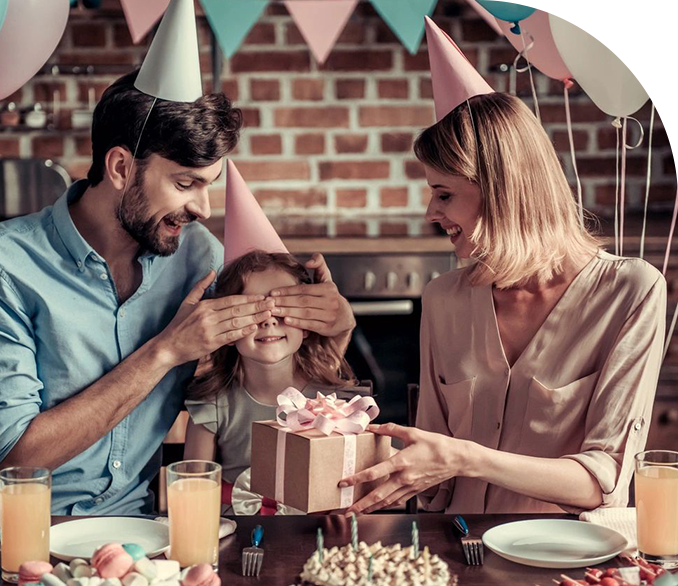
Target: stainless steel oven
385,293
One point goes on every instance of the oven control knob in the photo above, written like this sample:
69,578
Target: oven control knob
413,280
434,275
391,280
370,280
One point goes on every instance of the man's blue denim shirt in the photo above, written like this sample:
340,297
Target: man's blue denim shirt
62,328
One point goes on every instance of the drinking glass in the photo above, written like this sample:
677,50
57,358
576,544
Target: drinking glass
657,506
194,506
25,496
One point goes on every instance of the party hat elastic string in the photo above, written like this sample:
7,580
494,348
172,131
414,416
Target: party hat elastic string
567,84
134,154
647,182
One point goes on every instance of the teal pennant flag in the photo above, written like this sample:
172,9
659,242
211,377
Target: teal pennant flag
406,19
3,11
231,20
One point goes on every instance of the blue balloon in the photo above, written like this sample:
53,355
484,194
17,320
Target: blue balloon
3,11
507,11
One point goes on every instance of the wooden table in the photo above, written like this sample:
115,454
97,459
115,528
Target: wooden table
289,541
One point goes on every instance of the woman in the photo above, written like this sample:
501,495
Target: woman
539,361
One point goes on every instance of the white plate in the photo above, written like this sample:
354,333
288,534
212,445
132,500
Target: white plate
554,543
79,538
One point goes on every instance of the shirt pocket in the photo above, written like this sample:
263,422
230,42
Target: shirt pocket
560,413
459,400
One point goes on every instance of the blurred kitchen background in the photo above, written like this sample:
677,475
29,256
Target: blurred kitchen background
326,149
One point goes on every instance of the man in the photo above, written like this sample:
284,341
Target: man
101,302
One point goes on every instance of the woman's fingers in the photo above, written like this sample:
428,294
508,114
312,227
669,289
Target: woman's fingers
377,471
393,499
376,499
393,430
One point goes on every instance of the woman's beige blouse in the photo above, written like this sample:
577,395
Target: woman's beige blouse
582,389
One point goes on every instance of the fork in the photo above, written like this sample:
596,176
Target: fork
473,550
253,557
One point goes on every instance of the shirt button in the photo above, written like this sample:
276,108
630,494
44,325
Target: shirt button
498,424
117,464
121,313
98,500
103,276
507,371
79,263
638,425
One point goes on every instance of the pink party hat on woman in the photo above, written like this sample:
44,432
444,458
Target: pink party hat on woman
246,227
454,79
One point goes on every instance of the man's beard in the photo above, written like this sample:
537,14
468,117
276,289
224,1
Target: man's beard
134,217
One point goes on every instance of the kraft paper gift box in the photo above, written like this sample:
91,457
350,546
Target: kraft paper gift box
302,469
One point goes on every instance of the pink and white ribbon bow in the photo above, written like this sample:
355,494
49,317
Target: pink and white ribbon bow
325,413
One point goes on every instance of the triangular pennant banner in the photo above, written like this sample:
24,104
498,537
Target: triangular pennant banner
246,227
406,19
321,22
231,20
142,16
171,69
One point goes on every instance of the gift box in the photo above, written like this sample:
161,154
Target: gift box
299,459
310,464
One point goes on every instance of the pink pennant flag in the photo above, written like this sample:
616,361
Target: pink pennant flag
454,79
246,227
321,22
141,16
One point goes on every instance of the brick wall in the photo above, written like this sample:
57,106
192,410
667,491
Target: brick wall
333,139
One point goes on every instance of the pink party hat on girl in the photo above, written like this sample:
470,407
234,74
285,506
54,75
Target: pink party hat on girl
246,227
454,79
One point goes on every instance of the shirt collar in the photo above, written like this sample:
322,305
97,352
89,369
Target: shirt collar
76,245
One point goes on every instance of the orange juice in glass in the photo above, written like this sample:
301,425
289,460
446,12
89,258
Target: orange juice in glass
25,495
657,506
194,507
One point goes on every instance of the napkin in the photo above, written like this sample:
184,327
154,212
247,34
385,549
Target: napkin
226,526
620,519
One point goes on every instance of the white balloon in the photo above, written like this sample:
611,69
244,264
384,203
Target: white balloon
600,73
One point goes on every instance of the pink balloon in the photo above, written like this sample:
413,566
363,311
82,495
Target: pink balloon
544,54
29,35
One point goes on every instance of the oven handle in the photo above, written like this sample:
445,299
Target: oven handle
397,307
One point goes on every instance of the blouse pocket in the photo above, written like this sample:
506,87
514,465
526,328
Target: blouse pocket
459,400
560,412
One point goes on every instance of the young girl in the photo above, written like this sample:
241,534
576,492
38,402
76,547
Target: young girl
241,383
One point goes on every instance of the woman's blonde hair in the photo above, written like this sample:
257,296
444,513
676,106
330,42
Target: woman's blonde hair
318,359
529,221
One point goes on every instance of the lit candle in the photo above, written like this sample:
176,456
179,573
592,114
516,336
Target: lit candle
320,544
415,540
354,532
369,569
427,564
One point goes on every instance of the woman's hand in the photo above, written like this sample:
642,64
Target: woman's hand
318,307
426,460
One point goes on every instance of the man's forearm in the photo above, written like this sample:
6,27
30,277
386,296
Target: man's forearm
64,431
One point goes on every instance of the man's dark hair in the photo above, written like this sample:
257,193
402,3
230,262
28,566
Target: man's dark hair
192,134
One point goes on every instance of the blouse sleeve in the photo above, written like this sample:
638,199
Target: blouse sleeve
619,414
204,413
431,413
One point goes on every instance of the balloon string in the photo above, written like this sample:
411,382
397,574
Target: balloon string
568,117
526,48
623,189
134,154
673,226
617,126
647,183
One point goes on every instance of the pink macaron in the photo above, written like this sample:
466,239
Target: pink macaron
32,571
201,575
112,561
